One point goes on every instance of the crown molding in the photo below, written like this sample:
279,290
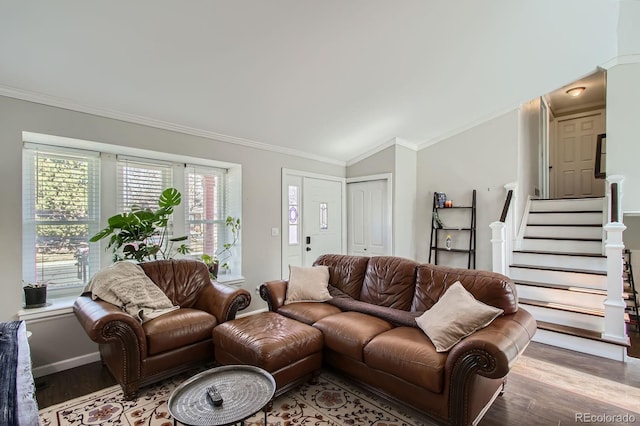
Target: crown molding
466,127
621,60
69,104
382,147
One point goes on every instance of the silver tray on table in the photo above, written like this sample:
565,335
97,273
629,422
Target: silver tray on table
245,390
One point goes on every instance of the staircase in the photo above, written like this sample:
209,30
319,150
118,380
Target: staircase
561,274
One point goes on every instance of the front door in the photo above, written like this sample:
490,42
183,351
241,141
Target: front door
575,157
312,218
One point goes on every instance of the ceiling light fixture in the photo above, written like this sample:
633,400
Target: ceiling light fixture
576,91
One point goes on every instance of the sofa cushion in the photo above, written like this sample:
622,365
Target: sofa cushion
488,287
455,316
182,280
407,353
307,284
177,329
308,312
389,281
349,332
345,272
396,317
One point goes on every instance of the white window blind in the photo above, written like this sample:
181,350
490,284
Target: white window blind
205,208
60,214
140,182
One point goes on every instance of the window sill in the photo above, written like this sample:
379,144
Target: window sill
234,280
64,305
57,307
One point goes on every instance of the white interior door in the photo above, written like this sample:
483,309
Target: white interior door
368,218
575,157
313,216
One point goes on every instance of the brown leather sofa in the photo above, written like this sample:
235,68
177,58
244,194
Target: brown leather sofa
139,354
370,333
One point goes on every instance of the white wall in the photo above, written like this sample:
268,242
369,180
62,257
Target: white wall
528,155
261,201
381,162
404,202
623,131
482,158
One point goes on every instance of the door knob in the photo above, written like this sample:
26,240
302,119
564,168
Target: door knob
308,249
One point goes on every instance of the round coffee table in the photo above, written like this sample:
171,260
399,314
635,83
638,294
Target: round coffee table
245,390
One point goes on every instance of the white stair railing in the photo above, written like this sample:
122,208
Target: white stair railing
614,305
503,233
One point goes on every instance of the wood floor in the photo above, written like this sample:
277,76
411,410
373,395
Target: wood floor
548,386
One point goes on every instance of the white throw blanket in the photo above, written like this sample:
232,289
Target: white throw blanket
125,284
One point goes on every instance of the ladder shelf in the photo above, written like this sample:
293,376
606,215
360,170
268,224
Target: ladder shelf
439,244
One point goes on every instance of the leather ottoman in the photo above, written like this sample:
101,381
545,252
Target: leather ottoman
288,349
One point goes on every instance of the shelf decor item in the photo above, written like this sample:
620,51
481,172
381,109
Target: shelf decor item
441,198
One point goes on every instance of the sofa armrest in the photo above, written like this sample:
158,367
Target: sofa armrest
104,322
223,301
490,352
274,293
493,350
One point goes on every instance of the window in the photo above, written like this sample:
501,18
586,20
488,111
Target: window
60,214
63,186
205,209
141,182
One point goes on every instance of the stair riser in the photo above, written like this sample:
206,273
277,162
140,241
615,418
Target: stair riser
571,319
568,205
578,344
563,246
564,231
565,297
555,277
559,261
564,218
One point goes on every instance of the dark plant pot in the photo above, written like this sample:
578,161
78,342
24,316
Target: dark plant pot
213,270
35,297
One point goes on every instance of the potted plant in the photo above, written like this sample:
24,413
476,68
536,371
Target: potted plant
220,259
35,295
141,234
212,264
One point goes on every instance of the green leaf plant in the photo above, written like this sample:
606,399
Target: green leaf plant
141,234
222,256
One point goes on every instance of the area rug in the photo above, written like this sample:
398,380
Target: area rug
332,401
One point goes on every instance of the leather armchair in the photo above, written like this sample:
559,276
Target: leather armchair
139,354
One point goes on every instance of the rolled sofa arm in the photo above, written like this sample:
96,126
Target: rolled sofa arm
490,352
274,293
493,350
104,322
223,301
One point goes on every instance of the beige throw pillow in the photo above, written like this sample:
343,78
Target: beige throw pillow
308,284
455,316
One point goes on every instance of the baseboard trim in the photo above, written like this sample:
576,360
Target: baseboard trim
67,364
248,314
578,344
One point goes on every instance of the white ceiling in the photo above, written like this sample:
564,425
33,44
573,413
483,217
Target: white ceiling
332,79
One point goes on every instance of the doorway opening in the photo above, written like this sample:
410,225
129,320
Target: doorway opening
576,122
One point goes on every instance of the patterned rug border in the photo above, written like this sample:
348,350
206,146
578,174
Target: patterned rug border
333,401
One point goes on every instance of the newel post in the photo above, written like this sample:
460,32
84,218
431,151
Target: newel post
499,247
614,304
